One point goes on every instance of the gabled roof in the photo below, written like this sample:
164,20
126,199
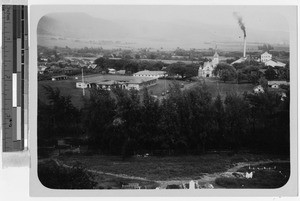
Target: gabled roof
240,60
274,63
266,53
147,72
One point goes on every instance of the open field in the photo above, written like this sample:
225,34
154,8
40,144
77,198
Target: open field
164,168
66,87
216,87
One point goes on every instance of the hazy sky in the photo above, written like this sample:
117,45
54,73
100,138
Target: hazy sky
258,17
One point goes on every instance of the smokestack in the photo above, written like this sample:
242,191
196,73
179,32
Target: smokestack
243,28
245,43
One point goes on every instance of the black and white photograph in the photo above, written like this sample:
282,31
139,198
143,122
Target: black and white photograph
159,97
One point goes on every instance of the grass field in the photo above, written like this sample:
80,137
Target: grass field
162,168
66,87
217,87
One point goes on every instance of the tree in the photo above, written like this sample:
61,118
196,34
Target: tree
270,74
219,121
177,68
225,71
99,113
236,111
263,82
252,73
62,116
100,61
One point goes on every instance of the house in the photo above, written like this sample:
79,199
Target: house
258,89
92,66
111,71
121,72
81,85
41,69
69,70
274,63
265,57
276,84
59,77
154,74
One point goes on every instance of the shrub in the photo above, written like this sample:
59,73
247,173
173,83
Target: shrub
54,176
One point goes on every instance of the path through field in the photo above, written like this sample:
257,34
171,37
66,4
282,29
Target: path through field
205,181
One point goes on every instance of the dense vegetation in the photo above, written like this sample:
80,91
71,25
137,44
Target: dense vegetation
54,176
185,122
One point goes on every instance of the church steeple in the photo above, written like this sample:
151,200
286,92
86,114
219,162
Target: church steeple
216,53
215,60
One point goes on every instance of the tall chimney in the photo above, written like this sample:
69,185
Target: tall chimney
244,47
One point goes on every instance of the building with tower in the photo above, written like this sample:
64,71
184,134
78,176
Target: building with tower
206,70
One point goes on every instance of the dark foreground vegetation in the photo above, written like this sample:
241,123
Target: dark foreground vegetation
113,172
185,122
271,175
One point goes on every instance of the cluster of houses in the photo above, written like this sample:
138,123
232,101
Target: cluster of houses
206,70
274,87
64,66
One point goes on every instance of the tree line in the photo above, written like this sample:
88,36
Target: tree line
125,123
250,71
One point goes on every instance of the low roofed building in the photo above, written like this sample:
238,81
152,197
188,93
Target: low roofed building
147,73
125,82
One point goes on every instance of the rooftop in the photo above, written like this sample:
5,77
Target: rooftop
278,82
147,72
101,79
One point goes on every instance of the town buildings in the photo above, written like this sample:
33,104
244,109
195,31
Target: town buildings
266,58
125,82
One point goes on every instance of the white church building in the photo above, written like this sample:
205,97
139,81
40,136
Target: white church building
207,69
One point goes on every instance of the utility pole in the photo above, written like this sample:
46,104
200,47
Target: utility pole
83,84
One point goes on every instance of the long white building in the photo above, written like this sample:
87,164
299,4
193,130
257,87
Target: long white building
125,82
147,73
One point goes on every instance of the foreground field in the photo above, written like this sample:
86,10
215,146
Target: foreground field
164,172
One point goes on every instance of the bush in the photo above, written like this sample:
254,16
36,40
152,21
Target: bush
53,176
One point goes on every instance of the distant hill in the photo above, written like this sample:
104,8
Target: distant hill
79,25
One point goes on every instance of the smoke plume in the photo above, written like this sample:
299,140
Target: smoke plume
241,23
